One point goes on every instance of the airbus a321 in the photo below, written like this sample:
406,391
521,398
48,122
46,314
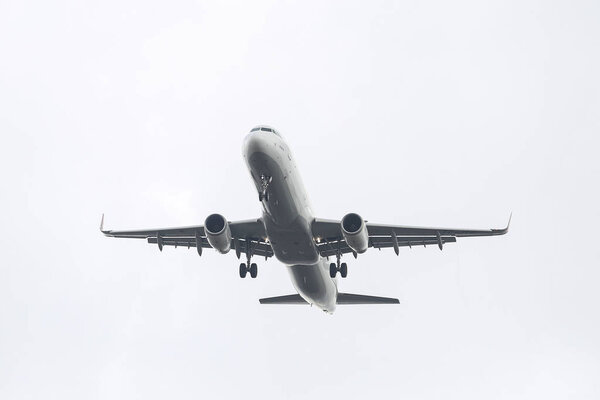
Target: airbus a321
289,231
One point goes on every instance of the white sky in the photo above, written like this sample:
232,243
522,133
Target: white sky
423,113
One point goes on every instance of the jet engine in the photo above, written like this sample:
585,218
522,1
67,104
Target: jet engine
355,232
218,233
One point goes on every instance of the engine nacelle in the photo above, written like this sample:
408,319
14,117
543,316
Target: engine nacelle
355,232
218,233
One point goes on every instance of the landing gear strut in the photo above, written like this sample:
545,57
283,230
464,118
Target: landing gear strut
264,185
248,266
337,266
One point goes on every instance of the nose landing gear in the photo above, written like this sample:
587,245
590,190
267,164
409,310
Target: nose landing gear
264,185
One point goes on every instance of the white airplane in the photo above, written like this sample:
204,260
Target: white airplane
289,231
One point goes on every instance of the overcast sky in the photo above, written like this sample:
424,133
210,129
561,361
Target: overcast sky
423,113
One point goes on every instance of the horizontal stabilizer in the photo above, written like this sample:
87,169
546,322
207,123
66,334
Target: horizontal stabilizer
349,298
342,298
289,299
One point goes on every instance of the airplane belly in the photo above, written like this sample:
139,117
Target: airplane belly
314,284
293,243
285,213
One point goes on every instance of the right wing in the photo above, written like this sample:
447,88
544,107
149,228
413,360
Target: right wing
246,236
331,240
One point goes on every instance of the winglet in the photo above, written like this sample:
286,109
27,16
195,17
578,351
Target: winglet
102,225
505,230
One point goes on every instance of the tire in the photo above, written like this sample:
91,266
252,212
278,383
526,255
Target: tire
344,270
243,270
253,270
332,270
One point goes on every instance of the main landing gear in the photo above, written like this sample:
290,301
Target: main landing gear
337,266
248,266
253,269
264,185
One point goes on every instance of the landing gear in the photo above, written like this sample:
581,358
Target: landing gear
344,270
253,269
337,266
263,196
248,267
264,185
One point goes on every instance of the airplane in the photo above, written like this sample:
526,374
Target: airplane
289,231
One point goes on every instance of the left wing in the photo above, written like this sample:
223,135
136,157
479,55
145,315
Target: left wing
246,236
331,241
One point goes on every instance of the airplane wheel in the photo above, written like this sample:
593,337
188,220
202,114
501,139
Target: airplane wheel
332,270
262,197
344,270
243,270
253,270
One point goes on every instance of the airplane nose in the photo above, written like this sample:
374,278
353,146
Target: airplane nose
255,142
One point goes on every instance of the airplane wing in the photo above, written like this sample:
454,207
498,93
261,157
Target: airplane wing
246,236
331,240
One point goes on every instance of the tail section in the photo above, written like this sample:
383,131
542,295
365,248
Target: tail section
342,298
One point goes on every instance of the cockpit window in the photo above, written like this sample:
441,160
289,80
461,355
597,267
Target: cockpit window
265,129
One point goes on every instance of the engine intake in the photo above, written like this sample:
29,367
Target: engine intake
355,232
218,233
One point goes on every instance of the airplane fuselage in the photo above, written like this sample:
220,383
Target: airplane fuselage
287,217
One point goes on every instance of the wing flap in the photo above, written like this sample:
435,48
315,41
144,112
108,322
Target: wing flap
330,249
260,249
180,242
409,241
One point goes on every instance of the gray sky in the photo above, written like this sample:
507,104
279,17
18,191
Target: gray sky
423,113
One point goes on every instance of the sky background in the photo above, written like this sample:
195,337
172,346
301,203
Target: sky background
425,113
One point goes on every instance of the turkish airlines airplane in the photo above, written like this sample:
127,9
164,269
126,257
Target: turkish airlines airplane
289,231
